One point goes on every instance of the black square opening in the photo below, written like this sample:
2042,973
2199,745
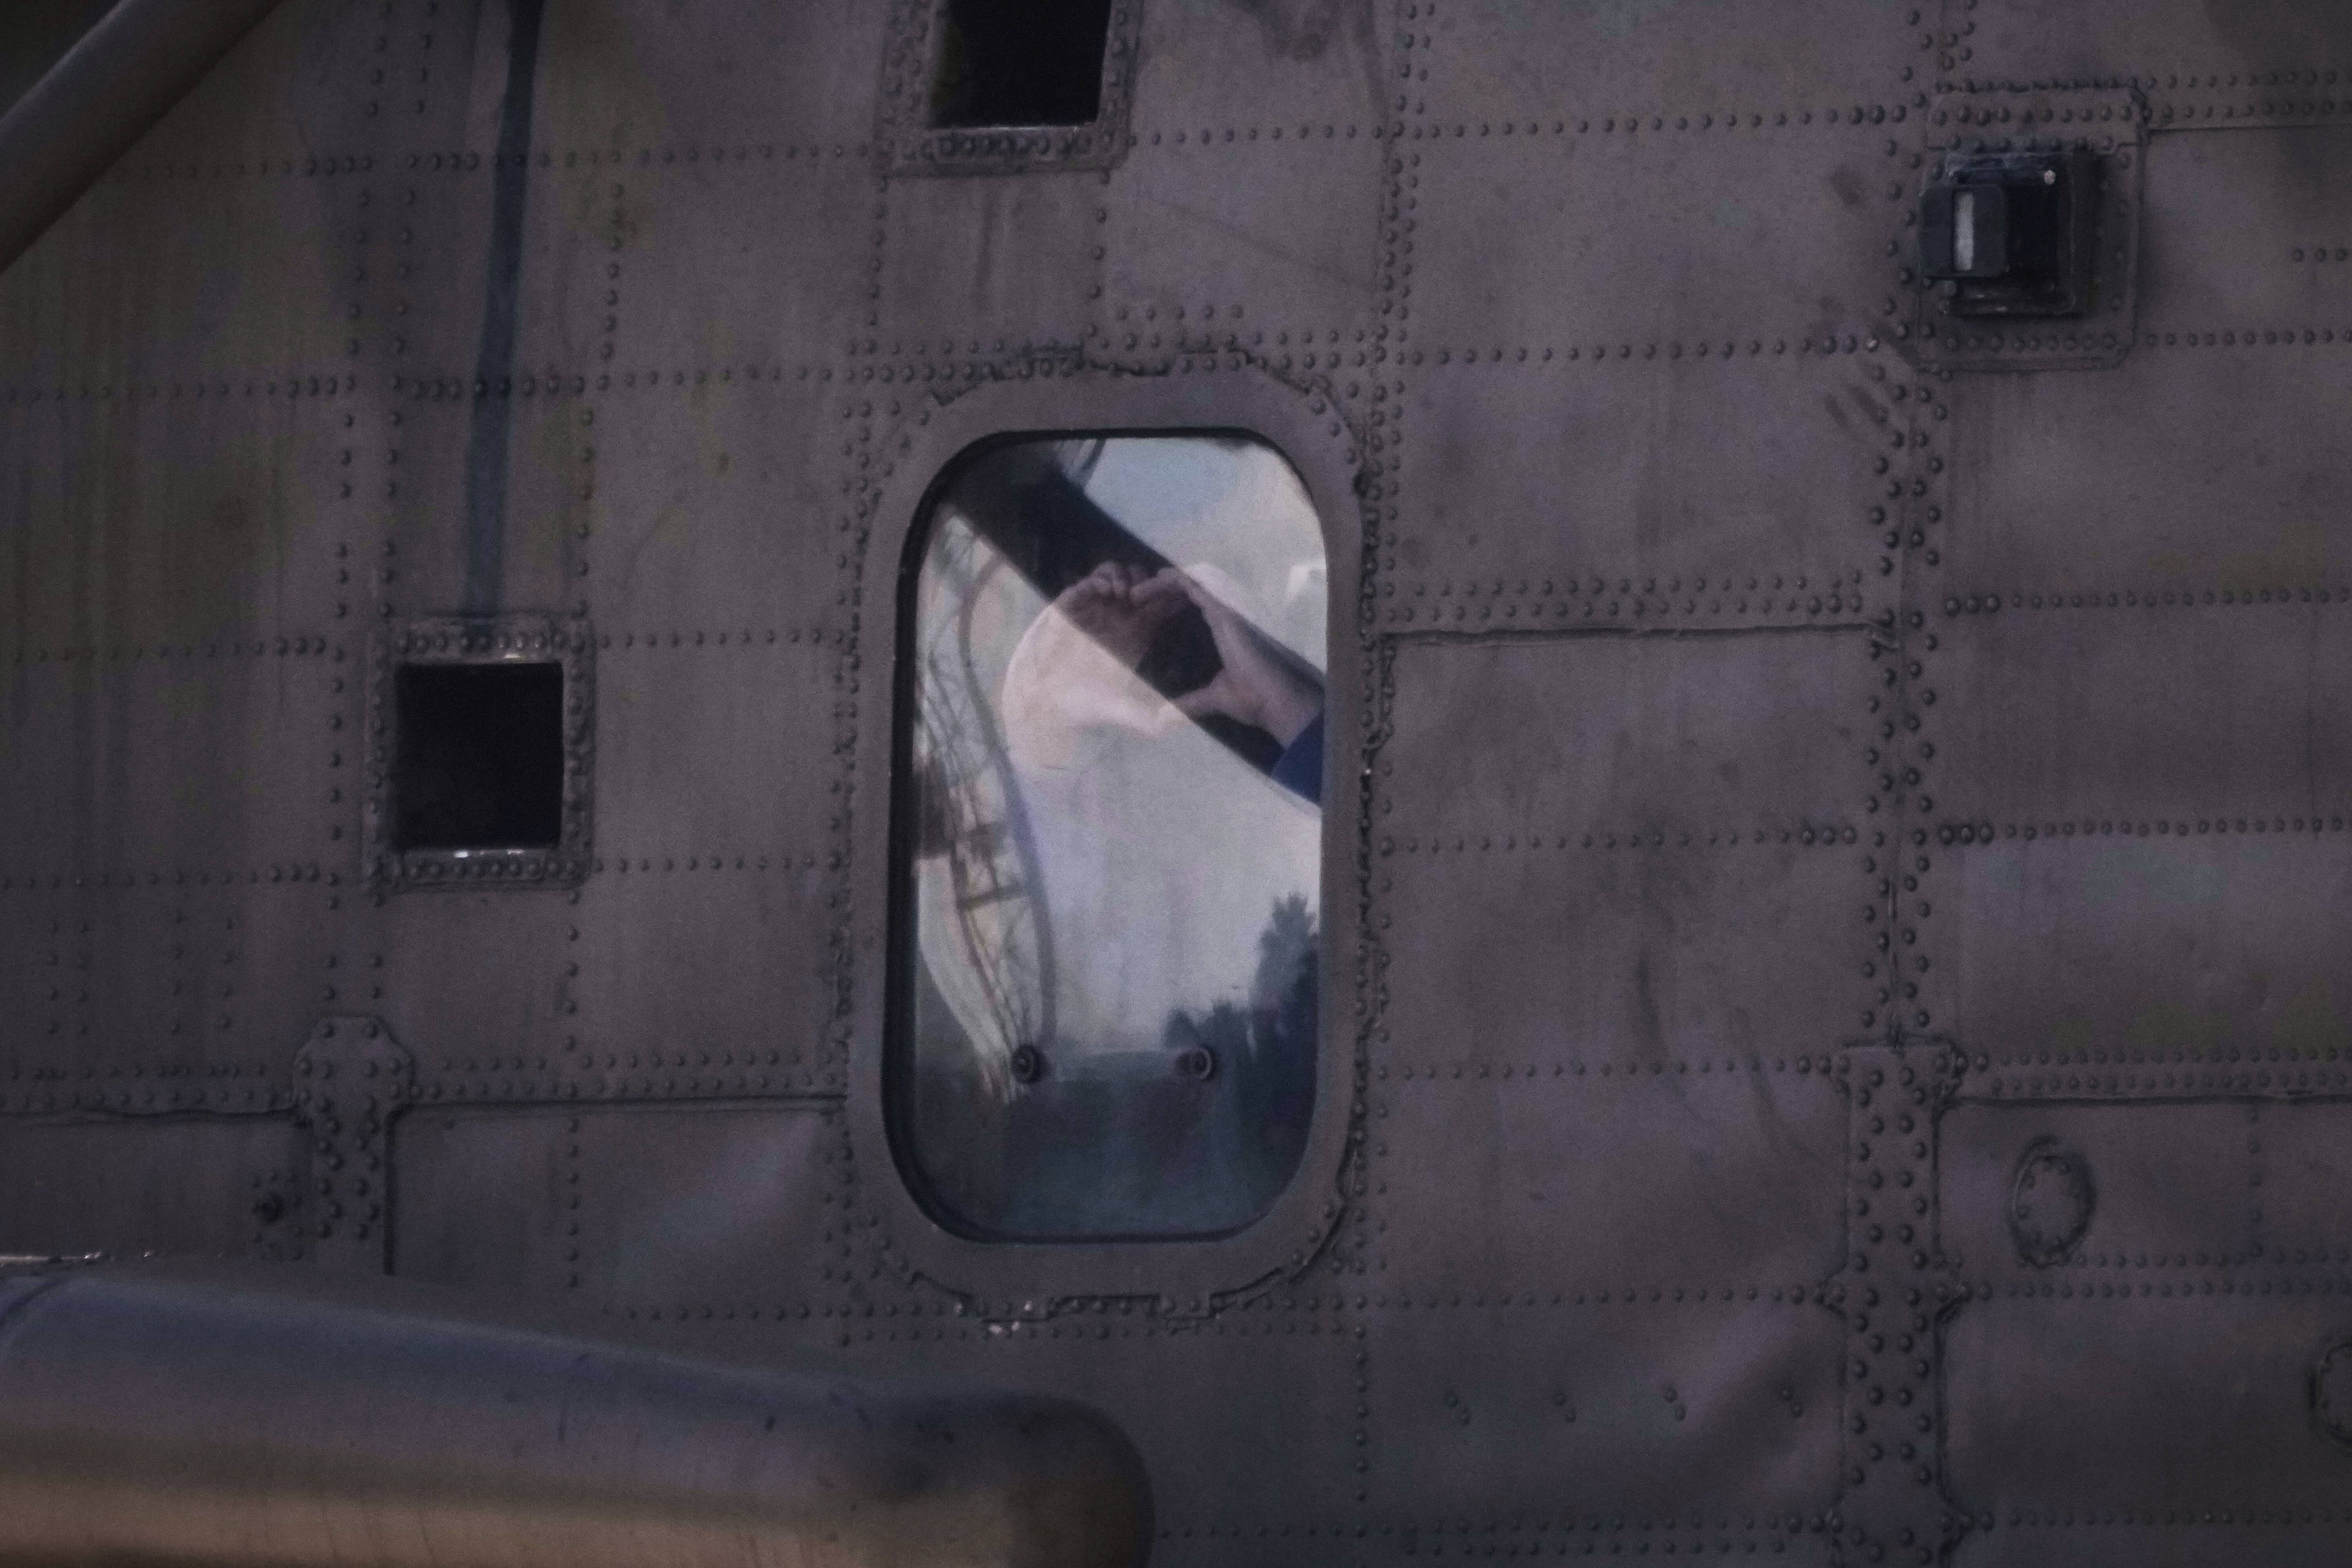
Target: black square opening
1020,62
478,763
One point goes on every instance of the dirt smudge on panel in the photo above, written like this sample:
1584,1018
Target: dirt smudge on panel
2173,879
2170,1026
559,443
2312,1025
593,95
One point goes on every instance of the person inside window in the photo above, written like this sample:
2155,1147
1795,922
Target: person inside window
1124,609
1114,830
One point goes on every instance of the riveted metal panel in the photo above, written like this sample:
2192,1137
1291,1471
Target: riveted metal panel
2300,1151
2110,1396
473,982
1787,501
747,340
124,752
706,76
40,720
141,980
2160,503
2175,1185
2240,231
179,996
223,242
1759,731
24,981
552,514
686,1210
2119,954
1714,1179
165,276
2249,47
705,972
416,561
714,512
2055,713
1629,955
676,266
430,264
188,1186
1289,66
1000,261
1629,927
706,747
1487,62
152,517
579,216
444,1160
1716,1421
1782,232
1296,235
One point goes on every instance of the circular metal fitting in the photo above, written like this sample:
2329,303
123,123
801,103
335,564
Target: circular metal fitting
2051,1197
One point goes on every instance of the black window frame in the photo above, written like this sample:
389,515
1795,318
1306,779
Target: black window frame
390,867
907,143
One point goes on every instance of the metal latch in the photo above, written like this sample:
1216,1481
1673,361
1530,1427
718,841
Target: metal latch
2011,234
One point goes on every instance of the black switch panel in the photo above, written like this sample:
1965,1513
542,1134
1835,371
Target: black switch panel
2012,234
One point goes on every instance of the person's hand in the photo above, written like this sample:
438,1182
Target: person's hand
1257,686
1123,607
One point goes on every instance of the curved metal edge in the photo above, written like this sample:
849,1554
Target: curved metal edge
111,88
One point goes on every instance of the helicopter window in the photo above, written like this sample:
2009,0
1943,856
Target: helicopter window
1019,62
479,759
1110,838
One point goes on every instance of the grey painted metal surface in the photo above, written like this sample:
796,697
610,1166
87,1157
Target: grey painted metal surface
1808,759
241,1414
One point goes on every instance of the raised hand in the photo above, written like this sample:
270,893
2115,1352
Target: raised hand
1256,686
1122,607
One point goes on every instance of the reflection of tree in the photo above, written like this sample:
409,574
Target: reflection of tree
1277,1099
1286,949
971,815
1265,1058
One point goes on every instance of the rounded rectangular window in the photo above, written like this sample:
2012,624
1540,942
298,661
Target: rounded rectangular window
1109,835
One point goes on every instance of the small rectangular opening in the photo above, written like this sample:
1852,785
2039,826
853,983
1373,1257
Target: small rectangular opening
1019,62
478,757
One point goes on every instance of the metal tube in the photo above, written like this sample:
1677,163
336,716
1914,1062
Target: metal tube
289,1418
93,106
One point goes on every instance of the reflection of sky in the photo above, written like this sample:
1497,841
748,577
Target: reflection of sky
1161,854
1236,506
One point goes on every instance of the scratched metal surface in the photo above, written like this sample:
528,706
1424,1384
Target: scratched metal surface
1806,773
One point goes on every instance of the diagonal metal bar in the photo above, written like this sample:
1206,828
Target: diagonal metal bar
95,103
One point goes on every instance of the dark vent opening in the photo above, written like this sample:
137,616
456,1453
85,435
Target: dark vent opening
1020,62
479,760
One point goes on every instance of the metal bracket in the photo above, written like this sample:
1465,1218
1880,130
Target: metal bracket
351,1078
1894,1292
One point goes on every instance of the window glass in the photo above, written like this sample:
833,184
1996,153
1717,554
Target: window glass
1111,835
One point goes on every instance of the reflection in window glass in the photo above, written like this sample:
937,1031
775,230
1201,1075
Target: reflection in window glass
1111,830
